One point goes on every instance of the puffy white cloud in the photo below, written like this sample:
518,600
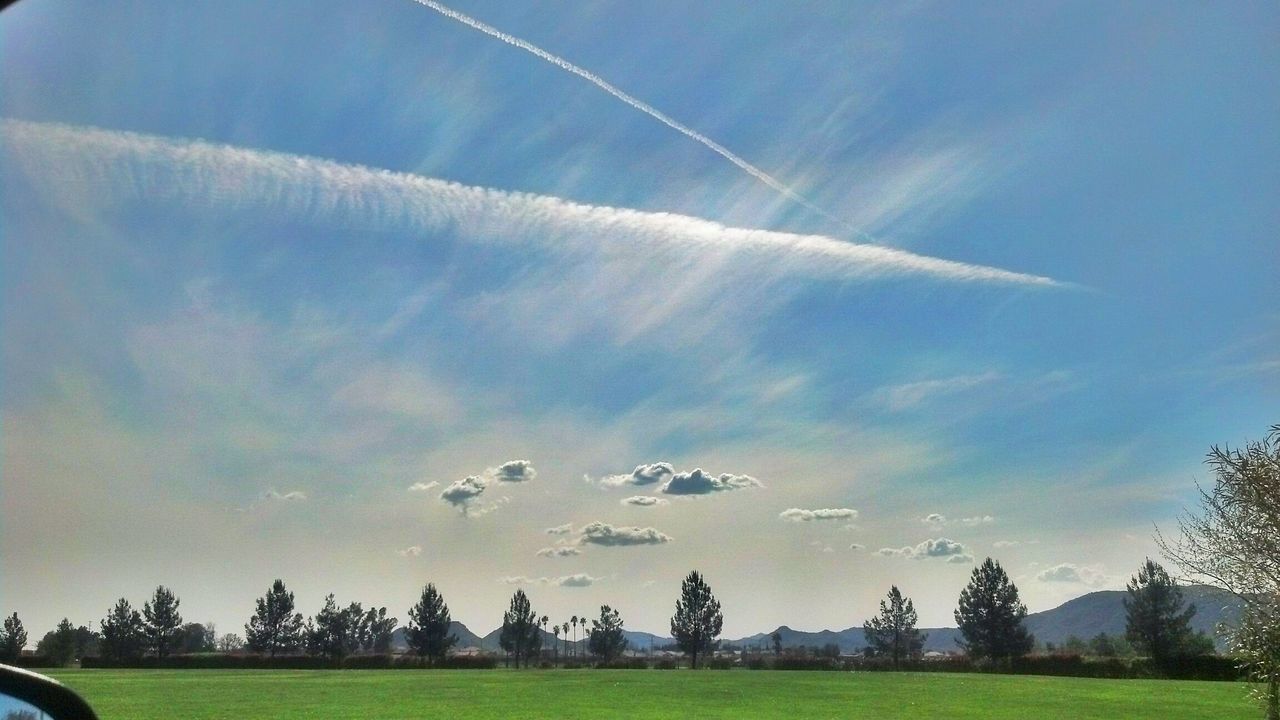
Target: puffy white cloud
1072,573
576,580
514,471
560,551
411,551
954,552
697,482
463,491
423,486
643,501
642,475
801,515
291,496
564,529
599,533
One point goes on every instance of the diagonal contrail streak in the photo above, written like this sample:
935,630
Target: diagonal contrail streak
92,166
638,104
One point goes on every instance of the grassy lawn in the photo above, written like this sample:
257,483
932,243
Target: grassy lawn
565,694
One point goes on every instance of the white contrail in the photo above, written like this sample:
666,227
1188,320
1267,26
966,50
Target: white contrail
86,165
638,104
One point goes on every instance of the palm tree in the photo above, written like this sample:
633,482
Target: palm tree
574,620
566,639
556,630
543,622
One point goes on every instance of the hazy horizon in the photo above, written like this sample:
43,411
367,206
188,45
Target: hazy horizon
365,297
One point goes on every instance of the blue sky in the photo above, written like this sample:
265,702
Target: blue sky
230,345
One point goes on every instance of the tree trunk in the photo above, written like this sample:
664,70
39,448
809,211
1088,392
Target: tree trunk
1273,701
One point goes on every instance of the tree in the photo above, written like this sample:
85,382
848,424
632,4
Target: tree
428,628
893,632
1155,620
565,627
12,639
1234,544
274,627
1104,645
607,640
194,638
59,644
162,621
229,643
574,621
520,635
698,620
123,636
990,616
376,631
555,630
329,632
776,640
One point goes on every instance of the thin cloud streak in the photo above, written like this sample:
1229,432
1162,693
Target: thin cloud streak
109,164
638,104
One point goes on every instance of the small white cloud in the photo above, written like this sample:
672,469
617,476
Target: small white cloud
513,471
423,486
801,515
977,520
559,551
934,519
953,551
564,529
857,546
576,580
1013,543
464,491
697,482
291,496
642,475
411,551
643,501
1072,573
598,533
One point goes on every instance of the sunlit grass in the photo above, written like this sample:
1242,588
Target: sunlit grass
561,694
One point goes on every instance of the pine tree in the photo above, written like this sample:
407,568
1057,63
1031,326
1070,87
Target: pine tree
163,621
990,615
329,632
123,636
1155,620
893,632
607,640
13,639
274,627
376,631
698,620
428,628
59,644
520,635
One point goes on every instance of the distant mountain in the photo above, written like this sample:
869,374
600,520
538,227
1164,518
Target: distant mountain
1084,617
466,638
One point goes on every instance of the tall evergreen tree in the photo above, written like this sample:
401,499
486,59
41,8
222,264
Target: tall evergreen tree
123,637
163,621
428,628
607,641
520,635
893,632
990,615
13,639
698,620
59,644
1155,620
274,627
329,632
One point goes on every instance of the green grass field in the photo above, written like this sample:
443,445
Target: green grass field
567,694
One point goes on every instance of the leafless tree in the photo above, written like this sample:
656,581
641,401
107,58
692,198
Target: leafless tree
1234,543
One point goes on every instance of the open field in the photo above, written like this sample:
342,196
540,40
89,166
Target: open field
567,694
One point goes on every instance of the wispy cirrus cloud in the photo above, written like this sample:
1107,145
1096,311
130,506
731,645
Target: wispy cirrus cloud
113,166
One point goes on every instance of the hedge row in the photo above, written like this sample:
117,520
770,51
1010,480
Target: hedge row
1208,667
211,661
